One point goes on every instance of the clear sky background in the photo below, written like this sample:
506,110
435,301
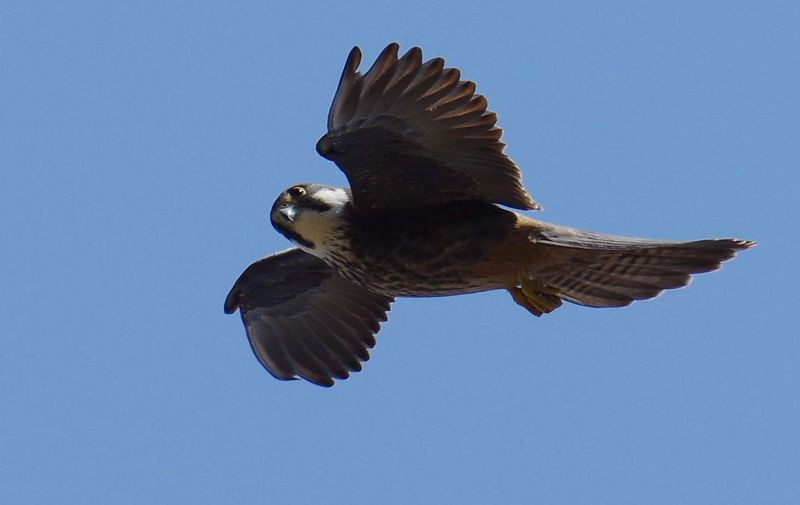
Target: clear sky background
142,146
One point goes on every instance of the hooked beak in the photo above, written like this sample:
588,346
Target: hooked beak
288,211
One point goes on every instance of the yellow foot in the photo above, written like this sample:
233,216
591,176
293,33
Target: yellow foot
535,296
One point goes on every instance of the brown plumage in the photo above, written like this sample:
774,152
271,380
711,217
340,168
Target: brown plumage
426,166
409,133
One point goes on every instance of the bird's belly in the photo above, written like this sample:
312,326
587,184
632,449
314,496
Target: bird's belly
406,275
400,279
425,257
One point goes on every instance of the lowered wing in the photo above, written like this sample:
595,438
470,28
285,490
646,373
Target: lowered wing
305,320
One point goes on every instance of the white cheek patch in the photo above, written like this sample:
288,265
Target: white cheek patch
317,228
322,229
335,197
312,226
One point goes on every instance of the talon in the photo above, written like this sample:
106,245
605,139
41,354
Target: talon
535,296
538,287
522,300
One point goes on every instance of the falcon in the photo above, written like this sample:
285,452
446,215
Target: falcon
426,214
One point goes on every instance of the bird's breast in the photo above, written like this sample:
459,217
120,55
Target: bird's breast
427,252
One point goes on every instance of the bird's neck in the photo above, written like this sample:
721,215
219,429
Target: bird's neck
320,233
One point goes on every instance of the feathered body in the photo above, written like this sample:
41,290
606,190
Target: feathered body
423,217
445,249
466,247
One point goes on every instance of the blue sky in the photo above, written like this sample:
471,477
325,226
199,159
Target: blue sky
142,146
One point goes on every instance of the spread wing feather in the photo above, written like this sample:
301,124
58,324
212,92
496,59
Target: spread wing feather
408,133
303,319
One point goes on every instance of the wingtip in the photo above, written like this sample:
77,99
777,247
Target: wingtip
392,47
231,301
353,60
414,54
320,380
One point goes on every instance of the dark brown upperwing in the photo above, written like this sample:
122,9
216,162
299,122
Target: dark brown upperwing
304,319
408,133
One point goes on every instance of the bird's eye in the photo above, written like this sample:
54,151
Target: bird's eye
297,191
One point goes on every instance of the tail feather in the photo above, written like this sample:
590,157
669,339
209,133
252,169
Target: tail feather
605,271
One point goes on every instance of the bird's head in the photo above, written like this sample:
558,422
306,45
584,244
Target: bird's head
310,214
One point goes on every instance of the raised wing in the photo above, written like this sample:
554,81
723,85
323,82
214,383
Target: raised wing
408,133
305,320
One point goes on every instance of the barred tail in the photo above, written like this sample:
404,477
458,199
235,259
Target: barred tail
604,271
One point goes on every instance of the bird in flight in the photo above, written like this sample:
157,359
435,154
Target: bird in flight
426,214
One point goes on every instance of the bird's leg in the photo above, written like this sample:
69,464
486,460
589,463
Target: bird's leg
537,298
522,300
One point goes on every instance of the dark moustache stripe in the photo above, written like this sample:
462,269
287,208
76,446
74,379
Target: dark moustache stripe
292,235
